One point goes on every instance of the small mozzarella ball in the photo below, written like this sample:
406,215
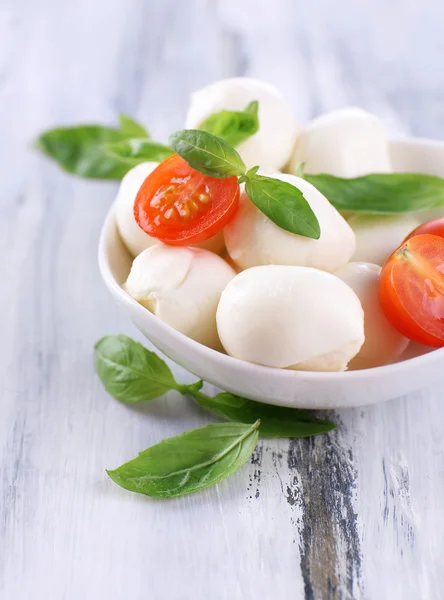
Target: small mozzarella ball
252,239
134,238
290,317
181,286
378,236
272,145
383,343
346,143
430,215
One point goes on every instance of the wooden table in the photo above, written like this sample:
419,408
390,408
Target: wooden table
356,514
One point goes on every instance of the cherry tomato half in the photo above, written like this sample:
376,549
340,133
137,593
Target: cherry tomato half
411,289
435,227
180,206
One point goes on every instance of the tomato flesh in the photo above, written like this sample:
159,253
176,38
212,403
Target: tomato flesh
180,206
435,227
411,289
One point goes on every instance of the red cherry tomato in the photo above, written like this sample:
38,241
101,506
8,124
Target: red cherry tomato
411,289
435,227
180,206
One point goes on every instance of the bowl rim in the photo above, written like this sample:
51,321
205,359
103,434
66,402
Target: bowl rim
236,364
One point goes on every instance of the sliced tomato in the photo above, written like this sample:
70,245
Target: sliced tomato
180,206
435,227
411,289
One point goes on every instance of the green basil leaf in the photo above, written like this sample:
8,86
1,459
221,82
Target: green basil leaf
233,126
252,108
130,372
207,153
385,193
78,151
283,204
276,421
132,128
251,172
138,150
189,462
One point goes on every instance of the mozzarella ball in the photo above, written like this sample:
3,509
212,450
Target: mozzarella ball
430,215
378,236
383,343
181,286
272,145
252,239
290,317
134,238
347,143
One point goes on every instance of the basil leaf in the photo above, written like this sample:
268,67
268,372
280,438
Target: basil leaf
276,421
138,150
207,153
252,108
251,172
78,151
130,372
189,462
233,126
283,204
132,128
385,193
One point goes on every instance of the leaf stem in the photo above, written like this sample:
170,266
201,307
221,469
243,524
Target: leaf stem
190,388
199,396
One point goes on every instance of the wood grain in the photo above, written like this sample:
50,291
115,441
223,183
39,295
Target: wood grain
357,514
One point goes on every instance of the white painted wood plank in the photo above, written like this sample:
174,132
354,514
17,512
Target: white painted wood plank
357,514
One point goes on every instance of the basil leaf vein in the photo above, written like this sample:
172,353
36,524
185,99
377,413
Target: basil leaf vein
189,462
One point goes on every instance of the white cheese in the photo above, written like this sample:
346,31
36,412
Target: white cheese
252,239
383,343
430,215
290,317
134,238
271,146
181,286
346,143
378,236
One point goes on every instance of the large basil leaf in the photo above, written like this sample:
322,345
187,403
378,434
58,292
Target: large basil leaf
385,193
189,462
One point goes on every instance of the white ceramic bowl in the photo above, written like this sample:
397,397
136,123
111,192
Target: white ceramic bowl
276,386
